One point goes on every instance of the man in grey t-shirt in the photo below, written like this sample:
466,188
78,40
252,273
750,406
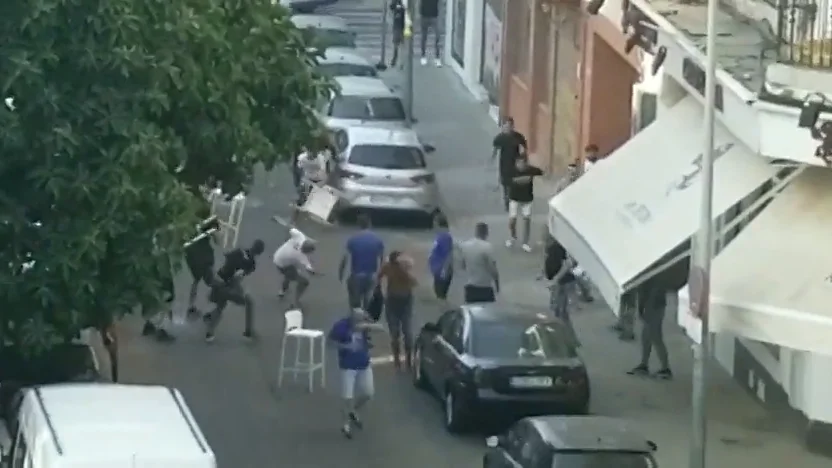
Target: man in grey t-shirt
482,282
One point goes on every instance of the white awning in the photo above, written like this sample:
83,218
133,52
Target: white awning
773,283
643,201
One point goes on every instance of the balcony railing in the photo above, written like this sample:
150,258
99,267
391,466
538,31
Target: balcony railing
805,29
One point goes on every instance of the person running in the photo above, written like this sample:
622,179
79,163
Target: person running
398,12
292,261
429,13
364,253
398,305
482,282
199,257
520,198
351,336
509,144
238,264
441,259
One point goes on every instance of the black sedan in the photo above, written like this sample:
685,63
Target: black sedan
498,360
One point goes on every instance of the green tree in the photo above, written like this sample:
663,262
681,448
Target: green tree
121,110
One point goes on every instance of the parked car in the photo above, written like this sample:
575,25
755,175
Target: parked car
570,442
324,31
362,101
343,61
499,361
384,169
304,6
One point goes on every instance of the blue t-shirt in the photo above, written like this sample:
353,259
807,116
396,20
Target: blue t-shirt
365,249
357,358
442,246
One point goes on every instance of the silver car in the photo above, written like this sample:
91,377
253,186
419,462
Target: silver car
324,31
342,61
384,169
363,100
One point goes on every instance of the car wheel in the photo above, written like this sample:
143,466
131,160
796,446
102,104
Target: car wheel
419,380
454,412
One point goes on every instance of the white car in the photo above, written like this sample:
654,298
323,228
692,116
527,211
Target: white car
362,101
324,31
342,61
304,6
384,169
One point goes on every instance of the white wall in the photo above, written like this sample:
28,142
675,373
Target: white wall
469,73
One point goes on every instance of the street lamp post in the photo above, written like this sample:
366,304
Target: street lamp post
701,266
382,63
408,84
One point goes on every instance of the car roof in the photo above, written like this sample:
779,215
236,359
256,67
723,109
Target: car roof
498,312
320,22
363,86
590,433
137,419
344,55
368,135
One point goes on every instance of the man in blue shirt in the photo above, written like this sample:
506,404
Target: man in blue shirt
441,260
365,254
350,334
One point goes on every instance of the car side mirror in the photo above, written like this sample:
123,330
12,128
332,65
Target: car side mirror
431,327
429,148
652,445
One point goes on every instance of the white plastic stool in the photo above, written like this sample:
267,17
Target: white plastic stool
294,330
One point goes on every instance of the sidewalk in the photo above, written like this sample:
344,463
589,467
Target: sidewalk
741,432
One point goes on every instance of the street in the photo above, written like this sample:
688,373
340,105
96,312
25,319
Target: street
230,385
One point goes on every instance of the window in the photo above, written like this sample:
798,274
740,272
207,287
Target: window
367,108
324,38
387,157
503,339
603,460
346,69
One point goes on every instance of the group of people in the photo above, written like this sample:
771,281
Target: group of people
429,23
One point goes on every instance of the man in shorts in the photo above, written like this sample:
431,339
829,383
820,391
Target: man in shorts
520,198
292,261
351,334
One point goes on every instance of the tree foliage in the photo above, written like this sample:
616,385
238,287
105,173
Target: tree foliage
121,110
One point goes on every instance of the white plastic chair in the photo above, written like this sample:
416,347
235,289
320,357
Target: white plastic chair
293,330
231,225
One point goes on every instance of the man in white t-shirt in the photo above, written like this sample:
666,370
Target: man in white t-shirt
292,261
312,166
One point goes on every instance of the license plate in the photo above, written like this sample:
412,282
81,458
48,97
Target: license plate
531,382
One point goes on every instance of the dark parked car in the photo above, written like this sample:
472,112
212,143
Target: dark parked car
500,360
570,442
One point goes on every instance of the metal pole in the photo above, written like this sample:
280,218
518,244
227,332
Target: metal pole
382,63
699,434
408,32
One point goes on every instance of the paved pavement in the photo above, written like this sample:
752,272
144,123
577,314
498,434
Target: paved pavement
230,385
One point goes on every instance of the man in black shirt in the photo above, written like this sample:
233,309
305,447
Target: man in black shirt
397,11
238,264
429,13
508,145
521,195
199,256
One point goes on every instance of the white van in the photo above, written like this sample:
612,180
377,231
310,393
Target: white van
102,425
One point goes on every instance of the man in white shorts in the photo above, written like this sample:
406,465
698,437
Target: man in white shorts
292,261
351,335
520,198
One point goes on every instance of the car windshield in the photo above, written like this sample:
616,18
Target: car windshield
367,108
347,69
604,460
387,157
324,38
512,340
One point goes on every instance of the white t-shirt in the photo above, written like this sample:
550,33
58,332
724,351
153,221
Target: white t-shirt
289,254
313,166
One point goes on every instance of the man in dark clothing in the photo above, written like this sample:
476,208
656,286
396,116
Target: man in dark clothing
557,268
238,264
652,305
508,145
429,13
397,11
520,197
199,256
364,254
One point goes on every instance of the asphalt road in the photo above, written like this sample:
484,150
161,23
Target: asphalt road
231,385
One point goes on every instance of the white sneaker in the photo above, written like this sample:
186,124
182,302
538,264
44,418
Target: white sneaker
509,243
438,63
424,60
527,248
